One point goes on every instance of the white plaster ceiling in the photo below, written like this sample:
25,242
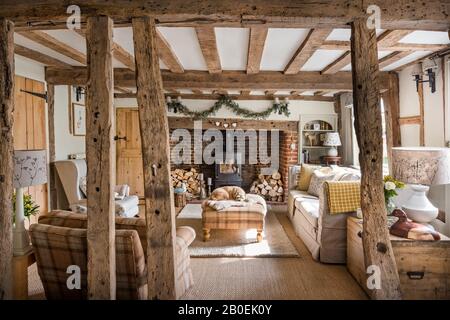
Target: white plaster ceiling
321,58
232,45
427,37
280,46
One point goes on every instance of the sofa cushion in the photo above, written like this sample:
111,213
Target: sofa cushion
309,207
305,175
317,180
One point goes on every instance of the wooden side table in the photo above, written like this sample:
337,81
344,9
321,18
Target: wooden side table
423,266
331,160
20,275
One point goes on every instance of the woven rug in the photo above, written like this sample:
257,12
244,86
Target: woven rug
237,243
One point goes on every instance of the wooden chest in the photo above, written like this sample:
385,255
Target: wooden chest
423,266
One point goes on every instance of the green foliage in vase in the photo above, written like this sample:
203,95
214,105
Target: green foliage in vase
30,207
390,187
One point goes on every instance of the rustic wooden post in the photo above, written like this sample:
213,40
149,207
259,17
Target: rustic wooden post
392,116
51,144
6,155
159,205
100,150
377,246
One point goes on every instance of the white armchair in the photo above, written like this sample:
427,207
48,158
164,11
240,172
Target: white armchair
70,192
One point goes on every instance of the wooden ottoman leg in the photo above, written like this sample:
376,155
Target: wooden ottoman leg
206,234
259,236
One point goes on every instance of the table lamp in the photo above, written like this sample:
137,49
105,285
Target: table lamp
30,169
332,140
422,167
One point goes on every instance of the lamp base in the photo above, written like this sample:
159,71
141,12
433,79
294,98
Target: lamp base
418,207
332,152
21,242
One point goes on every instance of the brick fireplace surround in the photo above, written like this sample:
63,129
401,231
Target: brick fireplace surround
288,144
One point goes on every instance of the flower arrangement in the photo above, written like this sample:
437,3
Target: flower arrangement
390,187
30,207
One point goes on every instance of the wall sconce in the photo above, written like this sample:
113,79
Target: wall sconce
168,99
426,70
234,124
277,100
79,91
225,125
293,146
217,123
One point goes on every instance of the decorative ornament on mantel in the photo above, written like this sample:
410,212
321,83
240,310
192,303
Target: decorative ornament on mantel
282,108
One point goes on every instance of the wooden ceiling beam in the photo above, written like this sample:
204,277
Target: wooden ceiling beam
227,80
313,41
245,92
167,55
338,64
392,58
307,14
207,40
257,41
391,37
233,96
123,56
54,44
39,57
345,45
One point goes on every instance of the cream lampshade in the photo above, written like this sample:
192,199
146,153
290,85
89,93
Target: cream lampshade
422,167
30,169
332,140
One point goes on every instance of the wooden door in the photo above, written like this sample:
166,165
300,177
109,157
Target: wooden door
129,154
30,129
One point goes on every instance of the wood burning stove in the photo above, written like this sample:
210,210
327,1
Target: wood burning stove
228,174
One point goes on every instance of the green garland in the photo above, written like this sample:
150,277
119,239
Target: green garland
225,101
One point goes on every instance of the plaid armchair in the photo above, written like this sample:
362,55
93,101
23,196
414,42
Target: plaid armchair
60,240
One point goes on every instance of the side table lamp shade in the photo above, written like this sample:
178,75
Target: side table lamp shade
332,140
422,167
30,169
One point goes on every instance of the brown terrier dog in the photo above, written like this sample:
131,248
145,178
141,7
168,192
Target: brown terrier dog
406,228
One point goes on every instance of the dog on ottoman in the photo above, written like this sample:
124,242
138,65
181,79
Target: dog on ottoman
231,208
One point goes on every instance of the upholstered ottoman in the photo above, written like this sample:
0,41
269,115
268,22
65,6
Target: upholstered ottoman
248,214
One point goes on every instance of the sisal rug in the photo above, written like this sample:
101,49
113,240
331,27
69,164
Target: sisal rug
237,243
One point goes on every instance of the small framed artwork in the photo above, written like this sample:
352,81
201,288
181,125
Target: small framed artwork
79,119
316,126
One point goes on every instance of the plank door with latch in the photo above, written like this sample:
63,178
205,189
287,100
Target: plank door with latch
129,154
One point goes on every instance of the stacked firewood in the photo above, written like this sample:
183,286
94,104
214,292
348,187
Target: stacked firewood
270,187
189,177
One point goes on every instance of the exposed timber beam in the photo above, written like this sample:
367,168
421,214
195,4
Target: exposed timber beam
258,37
345,45
323,13
312,42
39,57
154,128
338,64
391,37
167,55
119,53
368,126
123,56
207,40
232,96
100,152
54,44
6,156
236,80
393,57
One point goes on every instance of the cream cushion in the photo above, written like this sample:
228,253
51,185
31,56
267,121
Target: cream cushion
317,180
304,177
309,207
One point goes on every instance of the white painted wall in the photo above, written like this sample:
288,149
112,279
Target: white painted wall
65,142
433,110
29,69
296,107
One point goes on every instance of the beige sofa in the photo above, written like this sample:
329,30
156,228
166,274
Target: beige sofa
324,235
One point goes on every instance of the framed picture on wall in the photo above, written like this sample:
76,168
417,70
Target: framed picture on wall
79,119
76,96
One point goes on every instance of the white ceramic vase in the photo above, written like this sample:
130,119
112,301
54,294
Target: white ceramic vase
418,207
